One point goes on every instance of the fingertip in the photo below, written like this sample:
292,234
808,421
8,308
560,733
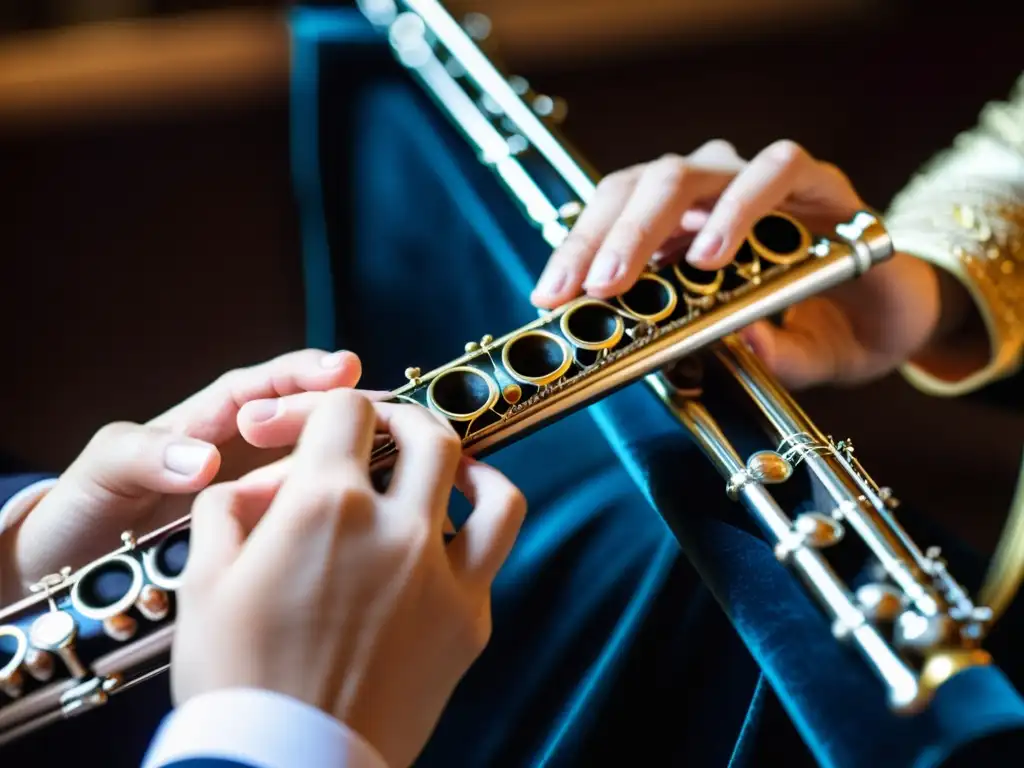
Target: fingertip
622,279
256,420
710,252
343,367
545,298
541,300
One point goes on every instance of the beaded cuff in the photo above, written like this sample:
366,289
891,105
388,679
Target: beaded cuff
964,213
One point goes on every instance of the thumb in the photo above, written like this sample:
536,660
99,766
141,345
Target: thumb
119,474
129,461
815,345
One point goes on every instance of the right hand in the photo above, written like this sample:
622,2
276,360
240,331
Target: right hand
304,580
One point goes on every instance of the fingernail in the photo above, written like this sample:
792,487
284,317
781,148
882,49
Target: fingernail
333,360
704,248
693,220
551,282
187,458
262,410
604,272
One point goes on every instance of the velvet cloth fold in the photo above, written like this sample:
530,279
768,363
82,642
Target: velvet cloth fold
609,642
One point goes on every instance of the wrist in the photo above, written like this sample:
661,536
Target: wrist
958,343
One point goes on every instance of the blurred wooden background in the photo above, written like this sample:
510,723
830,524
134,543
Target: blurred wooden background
148,201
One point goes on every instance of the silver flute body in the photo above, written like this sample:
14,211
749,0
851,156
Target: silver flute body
83,636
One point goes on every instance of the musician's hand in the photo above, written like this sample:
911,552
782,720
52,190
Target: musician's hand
304,580
703,206
139,476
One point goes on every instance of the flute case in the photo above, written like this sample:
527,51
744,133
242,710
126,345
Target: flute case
617,635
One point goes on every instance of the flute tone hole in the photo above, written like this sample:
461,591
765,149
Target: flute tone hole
700,281
172,554
649,298
463,393
594,324
535,357
105,585
8,647
778,234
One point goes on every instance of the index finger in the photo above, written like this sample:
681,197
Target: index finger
328,482
210,413
666,190
782,173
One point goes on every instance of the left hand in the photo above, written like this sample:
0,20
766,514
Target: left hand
142,476
704,205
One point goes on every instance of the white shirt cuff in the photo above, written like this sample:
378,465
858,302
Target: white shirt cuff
19,505
258,728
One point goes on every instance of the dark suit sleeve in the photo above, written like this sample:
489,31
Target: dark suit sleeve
18,492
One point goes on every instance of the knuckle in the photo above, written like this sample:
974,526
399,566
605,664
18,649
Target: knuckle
338,506
448,445
611,183
732,207
220,496
127,436
578,246
347,500
515,503
719,146
672,169
843,184
476,633
229,380
629,234
786,152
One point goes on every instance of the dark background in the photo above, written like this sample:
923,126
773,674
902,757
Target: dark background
147,250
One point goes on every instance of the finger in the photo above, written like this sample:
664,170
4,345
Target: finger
272,475
562,278
132,460
429,452
782,171
222,518
815,345
332,458
666,190
211,413
326,491
480,549
694,220
278,422
717,153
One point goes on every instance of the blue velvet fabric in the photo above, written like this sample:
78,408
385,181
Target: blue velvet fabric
616,632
